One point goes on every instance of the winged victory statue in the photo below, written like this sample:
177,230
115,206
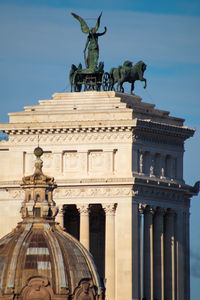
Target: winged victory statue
91,46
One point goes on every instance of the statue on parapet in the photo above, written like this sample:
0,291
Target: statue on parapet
92,56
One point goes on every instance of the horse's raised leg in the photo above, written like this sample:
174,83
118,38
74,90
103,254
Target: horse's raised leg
121,88
132,87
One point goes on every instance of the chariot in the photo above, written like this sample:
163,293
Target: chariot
98,80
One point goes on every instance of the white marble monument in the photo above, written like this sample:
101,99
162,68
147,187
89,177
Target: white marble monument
118,164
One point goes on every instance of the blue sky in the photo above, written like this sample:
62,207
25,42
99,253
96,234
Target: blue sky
40,40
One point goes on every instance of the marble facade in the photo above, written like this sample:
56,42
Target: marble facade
111,155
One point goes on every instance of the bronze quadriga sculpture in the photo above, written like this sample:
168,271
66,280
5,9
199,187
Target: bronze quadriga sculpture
93,76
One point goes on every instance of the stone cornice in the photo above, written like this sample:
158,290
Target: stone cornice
165,185
136,125
163,129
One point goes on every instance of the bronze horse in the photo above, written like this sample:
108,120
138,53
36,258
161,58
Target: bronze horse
127,73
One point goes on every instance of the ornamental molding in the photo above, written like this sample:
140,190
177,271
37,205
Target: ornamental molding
67,130
70,138
155,194
94,192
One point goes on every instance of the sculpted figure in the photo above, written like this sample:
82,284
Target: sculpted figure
71,75
92,56
128,73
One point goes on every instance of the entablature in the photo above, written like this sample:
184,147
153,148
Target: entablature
138,126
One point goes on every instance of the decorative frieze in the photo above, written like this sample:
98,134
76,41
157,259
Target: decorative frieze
95,192
156,194
70,137
157,140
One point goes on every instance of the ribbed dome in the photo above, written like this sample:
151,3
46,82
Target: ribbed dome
38,258
44,250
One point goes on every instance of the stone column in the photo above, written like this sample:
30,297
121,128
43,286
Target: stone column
60,216
110,250
148,254
158,254
136,265
84,225
169,255
180,236
187,254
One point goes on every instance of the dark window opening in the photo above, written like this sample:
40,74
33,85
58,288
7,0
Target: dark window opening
72,220
97,237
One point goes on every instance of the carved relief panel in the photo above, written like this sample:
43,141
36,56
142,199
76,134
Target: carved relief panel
74,162
47,158
71,161
100,161
29,161
37,288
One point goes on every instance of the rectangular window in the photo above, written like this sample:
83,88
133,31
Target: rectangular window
37,211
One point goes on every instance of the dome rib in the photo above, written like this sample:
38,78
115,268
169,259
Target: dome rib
13,263
61,281
93,273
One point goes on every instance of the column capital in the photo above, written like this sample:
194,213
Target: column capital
109,208
83,209
170,212
149,210
160,211
141,209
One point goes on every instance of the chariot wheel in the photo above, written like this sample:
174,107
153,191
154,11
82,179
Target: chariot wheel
106,81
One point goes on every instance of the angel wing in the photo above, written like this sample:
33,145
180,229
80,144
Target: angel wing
84,27
94,30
